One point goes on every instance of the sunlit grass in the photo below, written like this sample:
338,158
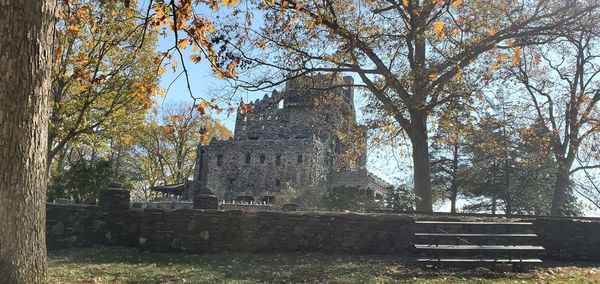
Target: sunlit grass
128,265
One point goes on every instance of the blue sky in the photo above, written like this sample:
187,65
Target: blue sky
387,163
392,165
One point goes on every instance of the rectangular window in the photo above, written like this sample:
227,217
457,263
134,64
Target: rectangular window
220,160
262,158
248,158
278,160
299,159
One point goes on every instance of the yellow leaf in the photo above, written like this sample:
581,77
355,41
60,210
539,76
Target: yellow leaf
230,2
204,104
405,3
494,66
183,43
113,13
438,27
491,32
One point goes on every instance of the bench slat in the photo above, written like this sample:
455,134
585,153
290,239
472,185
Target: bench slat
474,223
477,247
484,260
475,235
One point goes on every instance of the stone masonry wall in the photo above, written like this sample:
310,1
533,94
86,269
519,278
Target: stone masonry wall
114,223
569,239
74,225
109,223
214,231
273,165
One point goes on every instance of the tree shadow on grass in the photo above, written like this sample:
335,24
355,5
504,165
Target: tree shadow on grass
151,267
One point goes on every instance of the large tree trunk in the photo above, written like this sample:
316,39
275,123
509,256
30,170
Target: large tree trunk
561,187
26,31
420,155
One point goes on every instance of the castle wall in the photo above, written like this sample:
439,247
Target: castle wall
230,174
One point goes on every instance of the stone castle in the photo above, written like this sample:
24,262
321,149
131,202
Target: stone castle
290,146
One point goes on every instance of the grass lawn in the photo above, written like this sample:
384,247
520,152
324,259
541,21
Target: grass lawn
128,265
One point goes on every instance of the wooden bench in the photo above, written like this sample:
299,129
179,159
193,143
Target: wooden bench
455,243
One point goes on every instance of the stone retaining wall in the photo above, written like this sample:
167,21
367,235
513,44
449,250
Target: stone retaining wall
114,223
569,239
74,225
214,230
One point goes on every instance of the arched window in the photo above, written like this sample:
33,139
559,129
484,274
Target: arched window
248,158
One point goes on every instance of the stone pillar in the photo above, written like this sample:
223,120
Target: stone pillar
114,202
114,198
206,201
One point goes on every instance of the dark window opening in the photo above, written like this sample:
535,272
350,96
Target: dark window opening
269,199
262,158
278,182
245,199
278,160
248,158
253,137
300,159
220,160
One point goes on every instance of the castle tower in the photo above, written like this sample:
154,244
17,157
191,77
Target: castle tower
290,140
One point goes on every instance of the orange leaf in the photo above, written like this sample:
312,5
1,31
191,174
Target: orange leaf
183,43
195,58
73,29
517,56
456,3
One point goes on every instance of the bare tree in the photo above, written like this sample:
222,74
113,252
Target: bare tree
562,81
410,55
